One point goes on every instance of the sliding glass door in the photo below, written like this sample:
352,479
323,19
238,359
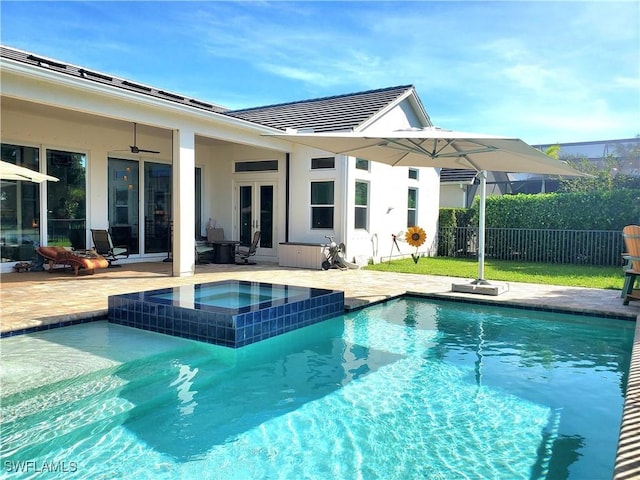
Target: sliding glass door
157,207
67,199
124,198
19,207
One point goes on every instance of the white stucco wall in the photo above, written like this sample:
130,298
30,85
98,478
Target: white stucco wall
388,191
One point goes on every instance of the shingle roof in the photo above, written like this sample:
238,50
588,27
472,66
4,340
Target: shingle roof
90,75
453,175
337,113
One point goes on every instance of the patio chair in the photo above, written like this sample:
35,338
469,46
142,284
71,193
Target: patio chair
104,246
243,253
631,235
204,251
215,234
60,256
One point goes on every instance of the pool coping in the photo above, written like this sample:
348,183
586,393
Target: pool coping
627,462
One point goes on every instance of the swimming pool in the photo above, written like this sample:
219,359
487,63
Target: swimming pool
406,389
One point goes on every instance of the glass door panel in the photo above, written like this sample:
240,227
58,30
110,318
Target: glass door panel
67,199
265,224
19,207
157,207
198,200
256,211
245,221
124,216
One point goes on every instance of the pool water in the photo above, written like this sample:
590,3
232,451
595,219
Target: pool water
234,294
402,390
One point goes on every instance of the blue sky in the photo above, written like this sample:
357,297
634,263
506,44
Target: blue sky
541,71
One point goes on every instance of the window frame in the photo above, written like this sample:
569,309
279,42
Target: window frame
412,210
363,162
358,207
316,163
317,207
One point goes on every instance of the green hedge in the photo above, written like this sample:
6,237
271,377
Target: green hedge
564,215
565,211
450,241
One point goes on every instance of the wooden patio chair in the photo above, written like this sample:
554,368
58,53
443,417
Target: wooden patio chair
631,235
103,244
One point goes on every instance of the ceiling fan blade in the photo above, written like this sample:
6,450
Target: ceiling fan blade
147,151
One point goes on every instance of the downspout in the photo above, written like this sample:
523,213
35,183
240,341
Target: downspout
345,206
287,195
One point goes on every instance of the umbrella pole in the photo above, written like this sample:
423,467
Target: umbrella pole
480,285
481,226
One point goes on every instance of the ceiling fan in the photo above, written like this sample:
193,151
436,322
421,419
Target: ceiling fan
134,148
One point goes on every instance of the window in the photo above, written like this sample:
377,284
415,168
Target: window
413,173
257,166
324,162
362,205
322,204
412,207
362,164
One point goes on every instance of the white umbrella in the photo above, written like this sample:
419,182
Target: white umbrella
9,171
440,148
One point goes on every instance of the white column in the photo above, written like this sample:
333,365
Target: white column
183,202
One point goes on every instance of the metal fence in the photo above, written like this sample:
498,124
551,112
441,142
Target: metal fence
587,247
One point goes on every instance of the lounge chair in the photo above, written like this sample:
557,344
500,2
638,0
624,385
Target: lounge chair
631,235
60,256
104,246
243,253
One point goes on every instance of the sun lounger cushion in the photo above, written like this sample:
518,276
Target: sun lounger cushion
61,256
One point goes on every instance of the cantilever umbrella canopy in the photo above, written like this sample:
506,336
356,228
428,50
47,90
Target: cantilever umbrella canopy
436,147
9,171
440,148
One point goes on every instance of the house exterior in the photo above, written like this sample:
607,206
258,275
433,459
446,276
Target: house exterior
156,167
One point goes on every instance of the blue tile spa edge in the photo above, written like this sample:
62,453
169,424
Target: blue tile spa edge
178,311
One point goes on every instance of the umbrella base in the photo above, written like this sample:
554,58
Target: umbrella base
480,287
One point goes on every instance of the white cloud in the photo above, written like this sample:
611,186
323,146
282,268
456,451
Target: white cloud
487,66
632,83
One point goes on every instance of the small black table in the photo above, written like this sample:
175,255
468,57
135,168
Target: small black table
224,250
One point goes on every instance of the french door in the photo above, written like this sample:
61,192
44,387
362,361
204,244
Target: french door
255,210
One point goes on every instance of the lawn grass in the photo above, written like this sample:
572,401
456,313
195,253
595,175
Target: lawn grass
501,270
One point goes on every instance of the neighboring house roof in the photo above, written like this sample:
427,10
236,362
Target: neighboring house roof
338,113
626,150
594,150
452,175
